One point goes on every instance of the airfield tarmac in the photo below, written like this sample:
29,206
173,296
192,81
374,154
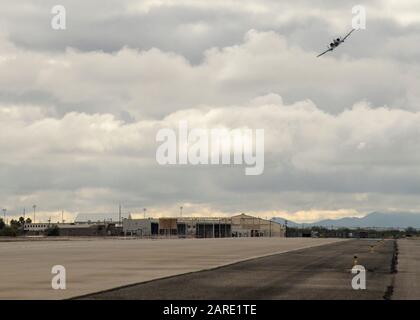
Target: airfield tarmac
317,273
100,264
407,279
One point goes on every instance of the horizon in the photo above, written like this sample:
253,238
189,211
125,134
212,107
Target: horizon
138,215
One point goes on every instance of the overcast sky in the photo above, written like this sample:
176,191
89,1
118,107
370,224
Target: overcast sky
80,108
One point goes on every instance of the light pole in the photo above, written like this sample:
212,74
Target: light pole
285,228
24,217
180,215
144,213
34,206
4,214
119,214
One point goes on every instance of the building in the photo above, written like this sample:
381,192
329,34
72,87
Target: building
73,229
37,228
196,227
89,230
248,226
93,218
179,227
210,227
203,227
141,227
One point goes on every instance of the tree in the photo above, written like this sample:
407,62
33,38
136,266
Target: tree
2,224
410,231
28,220
8,232
15,224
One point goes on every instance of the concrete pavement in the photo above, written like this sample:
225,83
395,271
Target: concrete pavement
100,264
407,279
322,272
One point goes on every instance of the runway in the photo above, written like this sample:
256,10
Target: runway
321,272
407,279
94,265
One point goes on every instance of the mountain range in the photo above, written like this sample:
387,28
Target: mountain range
372,220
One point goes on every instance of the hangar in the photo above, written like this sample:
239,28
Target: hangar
203,227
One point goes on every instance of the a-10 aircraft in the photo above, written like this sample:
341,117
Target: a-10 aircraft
336,43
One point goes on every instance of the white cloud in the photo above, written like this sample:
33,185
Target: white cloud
79,152
79,111
154,83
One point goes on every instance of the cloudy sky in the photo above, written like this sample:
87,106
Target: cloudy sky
80,108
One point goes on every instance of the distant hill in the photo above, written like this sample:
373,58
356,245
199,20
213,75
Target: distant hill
372,220
289,222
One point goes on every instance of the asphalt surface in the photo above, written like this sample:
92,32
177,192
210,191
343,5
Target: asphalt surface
95,264
407,279
314,273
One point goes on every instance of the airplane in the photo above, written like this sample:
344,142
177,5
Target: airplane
336,43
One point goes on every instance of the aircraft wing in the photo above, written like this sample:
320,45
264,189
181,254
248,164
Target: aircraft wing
324,52
348,34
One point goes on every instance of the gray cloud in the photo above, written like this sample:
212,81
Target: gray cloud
79,109
94,161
